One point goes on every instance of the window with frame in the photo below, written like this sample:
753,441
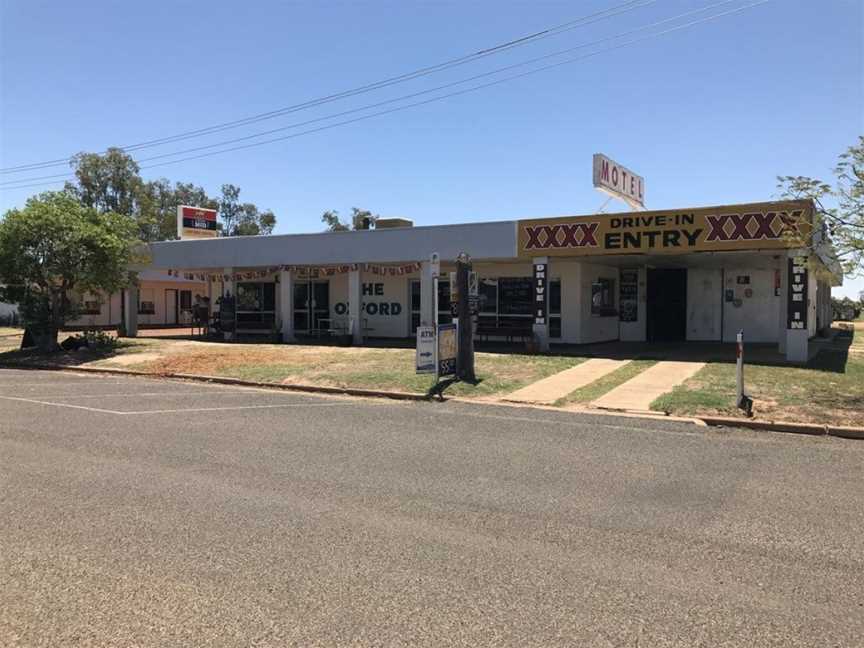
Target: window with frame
146,308
603,297
256,303
414,288
555,308
90,306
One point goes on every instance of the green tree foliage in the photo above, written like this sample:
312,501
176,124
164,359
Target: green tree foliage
839,208
360,219
845,308
56,248
111,183
243,219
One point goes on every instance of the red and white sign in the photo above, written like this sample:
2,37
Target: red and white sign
618,181
196,222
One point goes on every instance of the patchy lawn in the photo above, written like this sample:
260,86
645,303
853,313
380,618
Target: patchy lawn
610,381
831,390
365,368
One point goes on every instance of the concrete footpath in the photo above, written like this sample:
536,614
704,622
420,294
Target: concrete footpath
550,389
638,393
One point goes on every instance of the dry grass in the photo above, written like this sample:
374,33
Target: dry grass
830,390
390,369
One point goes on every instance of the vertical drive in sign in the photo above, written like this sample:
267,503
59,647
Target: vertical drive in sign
540,297
796,312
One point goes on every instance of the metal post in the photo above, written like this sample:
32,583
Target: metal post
742,400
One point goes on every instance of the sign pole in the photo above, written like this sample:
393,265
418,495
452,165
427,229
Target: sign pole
465,330
743,401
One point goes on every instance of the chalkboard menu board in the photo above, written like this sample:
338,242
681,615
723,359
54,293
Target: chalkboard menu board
227,314
629,296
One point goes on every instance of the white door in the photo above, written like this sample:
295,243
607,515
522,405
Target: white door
170,306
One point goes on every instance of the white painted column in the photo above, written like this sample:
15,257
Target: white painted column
427,296
541,330
784,304
228,288
285,298
130,310
354,304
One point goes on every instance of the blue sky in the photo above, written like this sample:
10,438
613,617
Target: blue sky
708,115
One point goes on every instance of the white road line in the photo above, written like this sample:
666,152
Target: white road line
3,383
39,402
179,394
238,407
168,411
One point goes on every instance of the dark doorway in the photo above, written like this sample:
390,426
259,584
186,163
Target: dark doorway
667,304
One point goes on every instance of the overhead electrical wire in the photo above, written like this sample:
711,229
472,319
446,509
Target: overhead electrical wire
466,90
589,19
408,96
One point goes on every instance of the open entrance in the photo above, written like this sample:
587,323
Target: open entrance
311,305
667,304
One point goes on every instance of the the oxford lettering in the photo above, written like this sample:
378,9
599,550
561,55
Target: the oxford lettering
372,308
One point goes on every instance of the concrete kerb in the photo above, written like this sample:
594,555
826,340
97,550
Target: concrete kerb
846,432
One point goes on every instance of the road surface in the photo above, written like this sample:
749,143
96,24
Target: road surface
139,512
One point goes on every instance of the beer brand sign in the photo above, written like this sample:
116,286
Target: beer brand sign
196,222
740,227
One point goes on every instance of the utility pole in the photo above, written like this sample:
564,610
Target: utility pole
465,363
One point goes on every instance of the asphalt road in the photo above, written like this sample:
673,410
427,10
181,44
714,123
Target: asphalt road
146,513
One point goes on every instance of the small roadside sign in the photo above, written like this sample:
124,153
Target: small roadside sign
473,284
425,355
448,345
435,265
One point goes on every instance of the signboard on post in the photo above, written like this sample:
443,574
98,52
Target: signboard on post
196,222
796,312
618,181
425,357
434,265
448,346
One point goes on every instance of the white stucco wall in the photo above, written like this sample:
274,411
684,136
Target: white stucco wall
592,328
758,315
377,308
704,304
110,311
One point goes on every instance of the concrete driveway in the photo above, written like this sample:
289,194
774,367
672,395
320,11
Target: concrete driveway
139,512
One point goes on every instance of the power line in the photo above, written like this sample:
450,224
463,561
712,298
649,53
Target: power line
466,90
408,96
630,5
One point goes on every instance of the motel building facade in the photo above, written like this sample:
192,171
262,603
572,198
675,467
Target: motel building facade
678,275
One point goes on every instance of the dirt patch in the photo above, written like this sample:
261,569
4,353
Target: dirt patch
134,358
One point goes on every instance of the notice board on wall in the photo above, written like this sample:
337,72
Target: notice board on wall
628,298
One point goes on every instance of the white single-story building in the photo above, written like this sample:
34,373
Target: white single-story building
691,274
162,300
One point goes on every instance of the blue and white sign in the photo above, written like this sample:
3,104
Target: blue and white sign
425,360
